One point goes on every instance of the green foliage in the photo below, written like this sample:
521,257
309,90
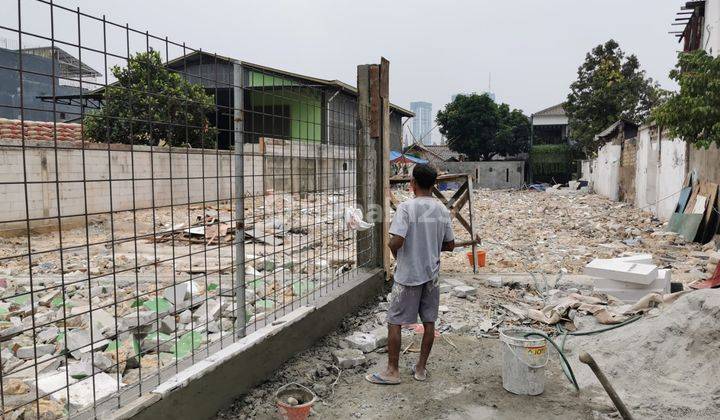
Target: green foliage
553,162
150,105
609,87
694,114
479,128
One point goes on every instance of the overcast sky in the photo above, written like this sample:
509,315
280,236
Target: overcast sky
436,48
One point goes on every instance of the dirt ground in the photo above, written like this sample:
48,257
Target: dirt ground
523,231
465,383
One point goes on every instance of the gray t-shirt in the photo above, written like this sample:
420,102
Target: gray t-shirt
425,224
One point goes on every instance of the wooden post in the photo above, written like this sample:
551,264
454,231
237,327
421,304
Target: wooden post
385,160
364,168
472,223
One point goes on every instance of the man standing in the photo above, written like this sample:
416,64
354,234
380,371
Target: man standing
420,230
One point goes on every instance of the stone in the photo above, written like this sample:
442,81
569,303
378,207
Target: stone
77,342
210,309
495,281
28,352
103,323
443,309
14,386
348,358
48,334
80,370
464,291
445,288
367,342
460,327
185,317
167,325
138,319
99,360
179,292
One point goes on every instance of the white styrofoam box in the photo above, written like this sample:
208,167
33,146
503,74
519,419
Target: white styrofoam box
629,295
622,271
662,282
637,259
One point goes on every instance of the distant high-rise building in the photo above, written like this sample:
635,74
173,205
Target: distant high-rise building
422,122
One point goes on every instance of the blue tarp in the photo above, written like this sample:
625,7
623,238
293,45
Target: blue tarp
397,156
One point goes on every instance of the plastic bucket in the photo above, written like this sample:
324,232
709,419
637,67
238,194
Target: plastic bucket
524,360
301,394
480,258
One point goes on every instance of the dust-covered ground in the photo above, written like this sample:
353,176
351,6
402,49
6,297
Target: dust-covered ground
523,232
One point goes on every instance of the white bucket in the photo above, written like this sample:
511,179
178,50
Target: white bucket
524,360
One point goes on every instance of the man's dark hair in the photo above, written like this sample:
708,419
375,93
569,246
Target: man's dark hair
424,176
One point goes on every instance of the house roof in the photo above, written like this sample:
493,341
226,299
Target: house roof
555,110
436,153
610,131
323,82
69,65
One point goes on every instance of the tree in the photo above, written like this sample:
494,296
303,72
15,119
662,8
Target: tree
150,105
693,114
481,129
609,87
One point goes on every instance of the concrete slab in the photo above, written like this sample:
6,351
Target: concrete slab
622,271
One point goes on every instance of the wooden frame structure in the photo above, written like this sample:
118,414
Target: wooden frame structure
462,196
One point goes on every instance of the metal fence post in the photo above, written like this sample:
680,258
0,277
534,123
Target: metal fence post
239,263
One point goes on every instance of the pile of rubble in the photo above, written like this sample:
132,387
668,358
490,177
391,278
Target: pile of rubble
127,311
529,231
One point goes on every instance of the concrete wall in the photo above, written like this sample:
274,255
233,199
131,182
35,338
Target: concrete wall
159,174
605,173
659,174
497,174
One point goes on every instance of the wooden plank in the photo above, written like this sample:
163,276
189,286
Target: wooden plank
384,78
375,103
693,198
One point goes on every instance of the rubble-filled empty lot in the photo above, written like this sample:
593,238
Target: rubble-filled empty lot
140,291
293,246
537,246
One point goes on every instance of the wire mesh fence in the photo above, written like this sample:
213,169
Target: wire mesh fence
158,203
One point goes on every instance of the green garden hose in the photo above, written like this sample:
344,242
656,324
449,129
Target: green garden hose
567,370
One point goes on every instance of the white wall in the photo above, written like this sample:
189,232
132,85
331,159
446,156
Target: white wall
660,172
711,29
606,171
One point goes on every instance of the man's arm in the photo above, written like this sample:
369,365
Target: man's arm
396,242
448,246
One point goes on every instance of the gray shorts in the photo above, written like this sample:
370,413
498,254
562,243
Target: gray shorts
407,302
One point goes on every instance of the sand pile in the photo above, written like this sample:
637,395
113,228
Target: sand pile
663,366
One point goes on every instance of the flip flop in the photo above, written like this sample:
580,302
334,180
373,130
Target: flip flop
419,378
376,378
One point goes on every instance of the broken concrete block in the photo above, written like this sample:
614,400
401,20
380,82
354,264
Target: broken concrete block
367,342
138,319
80,369
348,358
464,291
622,271
210,309
179,292
445,288
48,334
167,325
99,360
185,317
28,352
443,309
495,281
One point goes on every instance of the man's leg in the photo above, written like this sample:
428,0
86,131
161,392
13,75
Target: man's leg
427,343
393,351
